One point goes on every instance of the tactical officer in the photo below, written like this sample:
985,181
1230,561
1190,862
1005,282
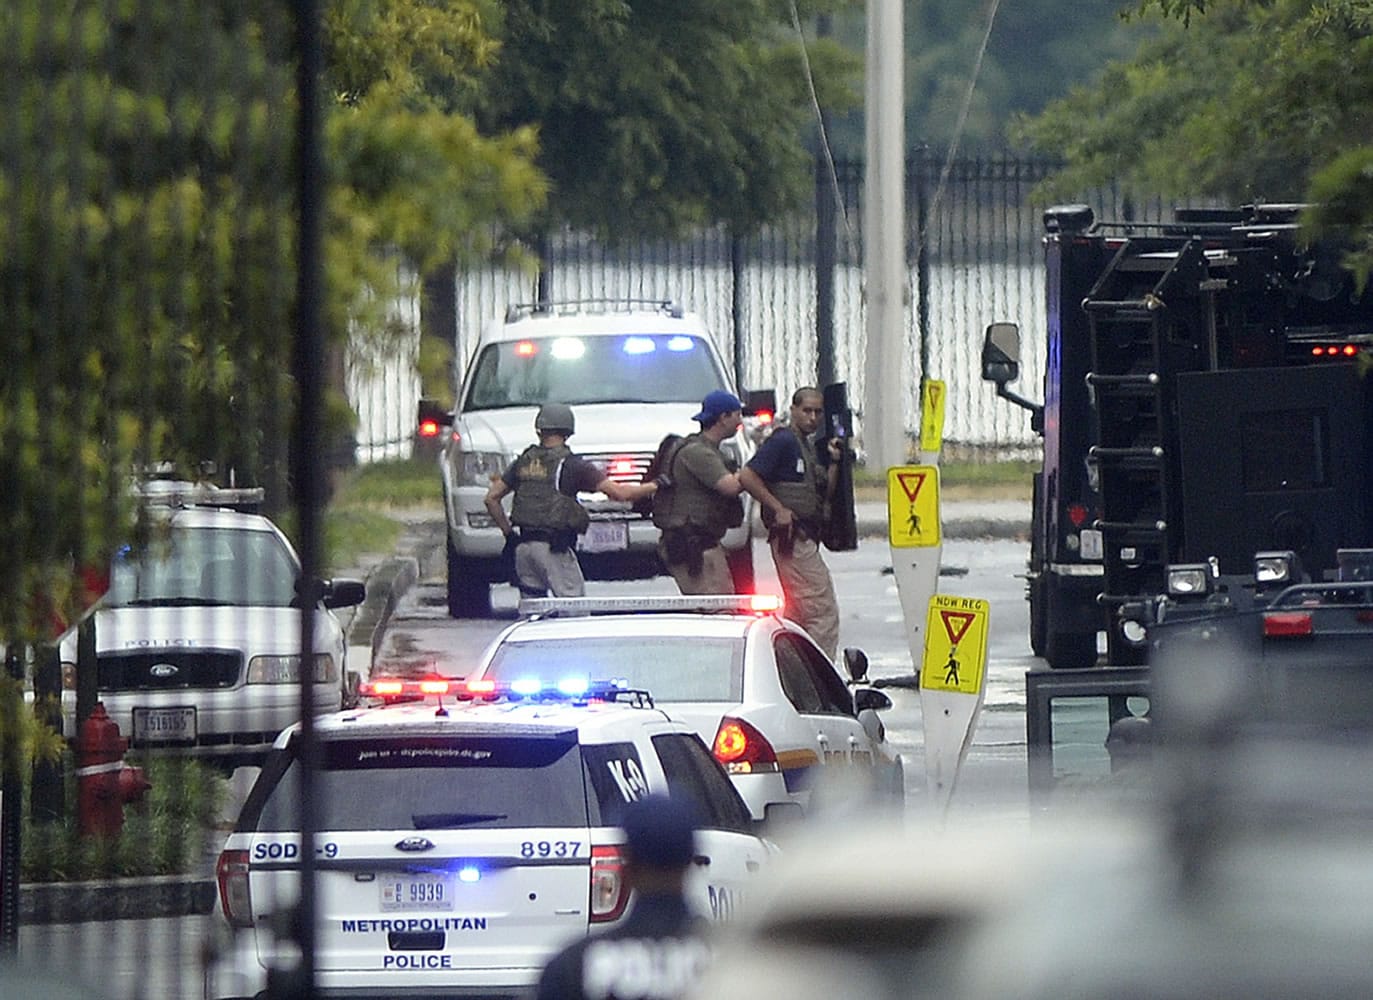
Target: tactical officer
795,485
660,950
546,479
699,501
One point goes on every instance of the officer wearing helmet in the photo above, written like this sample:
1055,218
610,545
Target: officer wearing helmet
545,517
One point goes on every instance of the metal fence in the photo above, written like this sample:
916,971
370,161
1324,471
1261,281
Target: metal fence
973,246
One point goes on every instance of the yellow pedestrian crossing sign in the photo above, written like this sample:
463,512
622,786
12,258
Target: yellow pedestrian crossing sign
932,397
955,645
913,505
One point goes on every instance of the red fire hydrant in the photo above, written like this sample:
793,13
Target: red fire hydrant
104,784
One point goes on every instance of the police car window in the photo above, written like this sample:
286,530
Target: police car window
672,668
693,774
427,783
797,683
833,693
617,778
629,368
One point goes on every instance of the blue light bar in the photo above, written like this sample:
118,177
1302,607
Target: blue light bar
638,345
469,873
573,687
680,343
526,686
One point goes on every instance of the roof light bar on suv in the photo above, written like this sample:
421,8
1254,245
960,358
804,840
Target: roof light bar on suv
573,690
738,604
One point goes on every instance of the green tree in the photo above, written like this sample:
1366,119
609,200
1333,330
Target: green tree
655,117
1236,99
147,284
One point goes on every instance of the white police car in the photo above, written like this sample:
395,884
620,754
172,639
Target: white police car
633,372
198,637
754,685
465,838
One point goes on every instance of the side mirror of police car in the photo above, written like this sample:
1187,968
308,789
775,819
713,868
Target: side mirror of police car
344,593
1001,353
870,700
856,662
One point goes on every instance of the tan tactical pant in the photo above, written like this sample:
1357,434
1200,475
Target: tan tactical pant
809,591
714,577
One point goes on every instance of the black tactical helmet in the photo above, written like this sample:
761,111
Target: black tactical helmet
555,417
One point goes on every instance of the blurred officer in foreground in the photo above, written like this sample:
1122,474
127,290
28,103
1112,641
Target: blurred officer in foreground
659,951
700,501
546,479
795,484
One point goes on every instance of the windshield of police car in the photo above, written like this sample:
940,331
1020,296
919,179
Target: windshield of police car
672,668
635,368
204,566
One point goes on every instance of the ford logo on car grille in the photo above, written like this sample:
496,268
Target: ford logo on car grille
163,670
415,844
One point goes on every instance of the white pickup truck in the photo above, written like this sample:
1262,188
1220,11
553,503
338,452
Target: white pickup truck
633,372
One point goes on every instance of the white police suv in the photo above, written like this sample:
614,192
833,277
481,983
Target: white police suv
633,372
752,684
466,837
198,637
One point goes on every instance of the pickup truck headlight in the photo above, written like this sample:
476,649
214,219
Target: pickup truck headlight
286,669
475,468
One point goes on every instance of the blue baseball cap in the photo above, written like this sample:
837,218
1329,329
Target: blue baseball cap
660,832
717,402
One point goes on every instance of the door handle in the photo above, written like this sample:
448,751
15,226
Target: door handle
701,859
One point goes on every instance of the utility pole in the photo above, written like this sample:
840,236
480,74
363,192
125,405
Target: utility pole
884,243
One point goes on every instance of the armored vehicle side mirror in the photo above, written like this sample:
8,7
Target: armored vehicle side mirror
1001,364
1001,353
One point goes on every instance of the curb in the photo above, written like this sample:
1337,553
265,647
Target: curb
116,899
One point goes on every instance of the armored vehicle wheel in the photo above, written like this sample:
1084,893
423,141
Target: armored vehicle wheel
469,594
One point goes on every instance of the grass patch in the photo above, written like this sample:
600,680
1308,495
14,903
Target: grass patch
358,521
411,482
962,481
164,834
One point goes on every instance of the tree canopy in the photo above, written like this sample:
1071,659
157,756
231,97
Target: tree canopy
656,116
147,285
1242,100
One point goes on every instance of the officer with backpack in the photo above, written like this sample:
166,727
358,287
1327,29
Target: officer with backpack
545,516
700,500
794,482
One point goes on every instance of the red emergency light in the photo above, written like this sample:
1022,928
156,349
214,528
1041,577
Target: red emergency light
1287,624
1334,350
429,428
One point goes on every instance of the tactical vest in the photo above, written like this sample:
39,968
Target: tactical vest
689,504
806,499
538,503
